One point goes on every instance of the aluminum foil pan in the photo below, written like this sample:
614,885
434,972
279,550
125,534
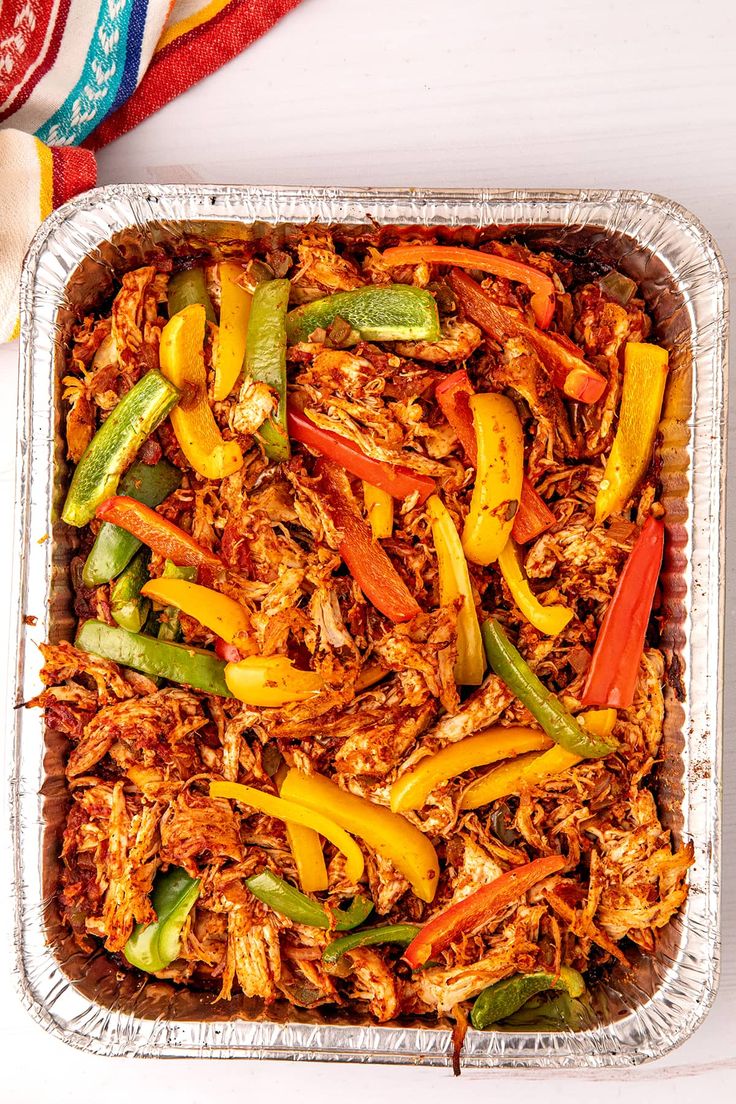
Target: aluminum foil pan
640,1013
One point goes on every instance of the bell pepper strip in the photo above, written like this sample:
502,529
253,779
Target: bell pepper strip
454,581
306,848
215,611
533,517
379,507
498,477
127,607
563,360
168,619
289,902
182,362
160,534
115,445
364,558
411,790
370,673
645,375
506,997
271,681
235,302
394,313
539,283
180,663
226,651
393,837
286,810
152,947
265,359
187,288
453,395
370,937
478,909
549,620
617,286
545,707
614,668
398,481
114,548
531,770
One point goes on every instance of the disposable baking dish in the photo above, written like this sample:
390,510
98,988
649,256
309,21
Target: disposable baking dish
642,1012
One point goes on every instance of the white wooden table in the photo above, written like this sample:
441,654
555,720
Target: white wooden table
474,93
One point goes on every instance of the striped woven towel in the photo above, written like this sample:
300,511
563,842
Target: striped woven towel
75,75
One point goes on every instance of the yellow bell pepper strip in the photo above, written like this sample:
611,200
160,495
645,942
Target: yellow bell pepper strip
530,770
127,607
393,837
265,359
550,620
455,583
152,947
288,901
182,362
497,489
370,937
215,611
115,445
306,848
270,681
645,375
412,789
545,707
478,908
182,663
235,304
506,997
394,313
287,810
189,287
379,506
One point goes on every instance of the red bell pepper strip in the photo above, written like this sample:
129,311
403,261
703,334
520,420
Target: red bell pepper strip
364,558
158,533
560,356
617,654
474,911
533,517
538,282
397,481
227,651
453,393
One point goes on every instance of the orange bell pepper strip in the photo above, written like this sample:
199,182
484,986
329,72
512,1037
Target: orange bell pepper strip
453,394
271,681
393,837
235,301
364,558
158,533
290,812
182,362
563,360
215,611
550,620
645,374
533,517
479,908
412,789
614,668
399,482
539,283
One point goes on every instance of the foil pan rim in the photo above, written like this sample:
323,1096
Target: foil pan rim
689,980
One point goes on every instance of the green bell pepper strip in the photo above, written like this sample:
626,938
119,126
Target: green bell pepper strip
115,445
265,359
545,707
369,937
292,903
506,997
394,313
189,287
168,625
152,947
181,663
126,605
114,548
